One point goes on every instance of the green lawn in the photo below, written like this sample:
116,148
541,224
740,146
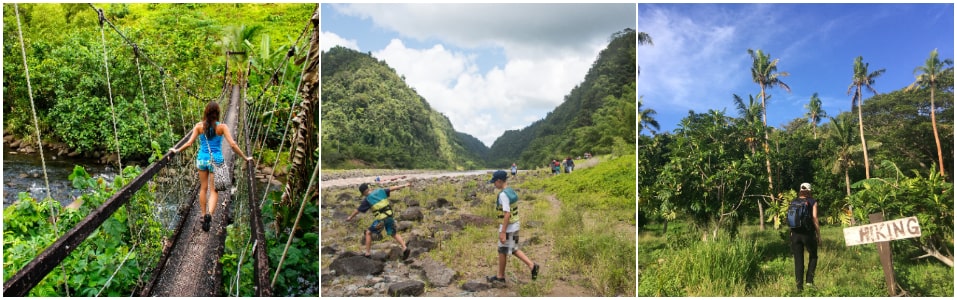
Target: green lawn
759,263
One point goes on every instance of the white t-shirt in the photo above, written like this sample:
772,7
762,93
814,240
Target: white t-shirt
503,201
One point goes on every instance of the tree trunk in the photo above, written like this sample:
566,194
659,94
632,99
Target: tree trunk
767,150
860,124
847,185
933,123
761,214
664,229
949,261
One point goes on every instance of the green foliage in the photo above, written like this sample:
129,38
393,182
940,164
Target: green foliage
28,229
369,114
65,55
930,199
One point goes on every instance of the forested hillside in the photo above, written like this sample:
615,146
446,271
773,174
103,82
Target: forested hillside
65,55
597,116
372,118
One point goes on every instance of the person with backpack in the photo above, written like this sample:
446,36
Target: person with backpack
514,169
506,203
378,202
805,235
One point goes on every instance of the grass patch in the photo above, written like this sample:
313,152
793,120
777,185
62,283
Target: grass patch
594,234
759,263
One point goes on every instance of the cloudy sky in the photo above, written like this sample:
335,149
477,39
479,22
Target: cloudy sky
488,67
699,57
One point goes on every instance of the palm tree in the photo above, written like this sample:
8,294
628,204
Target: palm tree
234,46
815,112
841,135
861,80
750,113
764,72
643,38
932,73
646,117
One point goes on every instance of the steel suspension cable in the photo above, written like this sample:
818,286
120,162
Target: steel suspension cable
109,88
33,109
302,206
36,126
139,74
283,140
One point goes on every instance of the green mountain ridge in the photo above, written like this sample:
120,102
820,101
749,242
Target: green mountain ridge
597,116
372,118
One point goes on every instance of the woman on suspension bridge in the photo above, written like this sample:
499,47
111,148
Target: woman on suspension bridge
211,134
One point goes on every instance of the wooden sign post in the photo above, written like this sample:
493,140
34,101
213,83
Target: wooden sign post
882,233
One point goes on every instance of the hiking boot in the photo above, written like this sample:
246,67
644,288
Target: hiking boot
206,220
535,272
405,253
809,285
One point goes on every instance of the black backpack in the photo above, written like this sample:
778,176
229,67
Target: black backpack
799,214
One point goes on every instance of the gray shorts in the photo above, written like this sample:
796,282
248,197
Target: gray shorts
510,245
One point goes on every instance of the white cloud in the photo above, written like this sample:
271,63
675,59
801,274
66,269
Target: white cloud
327,40
548,50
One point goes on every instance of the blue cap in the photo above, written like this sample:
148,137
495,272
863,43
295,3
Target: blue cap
498,175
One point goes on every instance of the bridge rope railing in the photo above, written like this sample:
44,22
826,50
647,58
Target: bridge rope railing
256,127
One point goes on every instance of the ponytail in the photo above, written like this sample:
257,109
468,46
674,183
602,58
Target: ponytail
210,117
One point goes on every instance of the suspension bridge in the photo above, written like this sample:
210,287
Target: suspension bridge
189,263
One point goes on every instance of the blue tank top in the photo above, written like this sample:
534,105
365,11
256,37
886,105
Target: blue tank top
214,145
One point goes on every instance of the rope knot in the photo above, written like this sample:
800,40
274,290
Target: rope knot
102,18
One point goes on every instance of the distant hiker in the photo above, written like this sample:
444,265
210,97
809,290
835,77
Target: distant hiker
378,201
514,169
210,133
507,205
556,169
569,165
805,234
564,165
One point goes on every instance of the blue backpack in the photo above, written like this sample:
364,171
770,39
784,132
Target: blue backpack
799,214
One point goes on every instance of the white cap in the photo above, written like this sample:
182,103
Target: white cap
805,186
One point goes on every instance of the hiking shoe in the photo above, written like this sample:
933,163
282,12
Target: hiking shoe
494,279
809,285
405,253
535,272
206,220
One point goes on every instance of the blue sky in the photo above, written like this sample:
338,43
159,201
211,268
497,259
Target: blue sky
488,67
699,57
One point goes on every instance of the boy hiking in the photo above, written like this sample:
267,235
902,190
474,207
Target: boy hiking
507,204
378,201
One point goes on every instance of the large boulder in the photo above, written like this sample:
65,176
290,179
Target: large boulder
356,265
435,272
475,286
407,288
411,214
473,220
420,242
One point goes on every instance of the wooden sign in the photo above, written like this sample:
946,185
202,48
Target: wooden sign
882,232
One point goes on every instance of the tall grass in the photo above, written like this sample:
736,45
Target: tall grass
759,263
